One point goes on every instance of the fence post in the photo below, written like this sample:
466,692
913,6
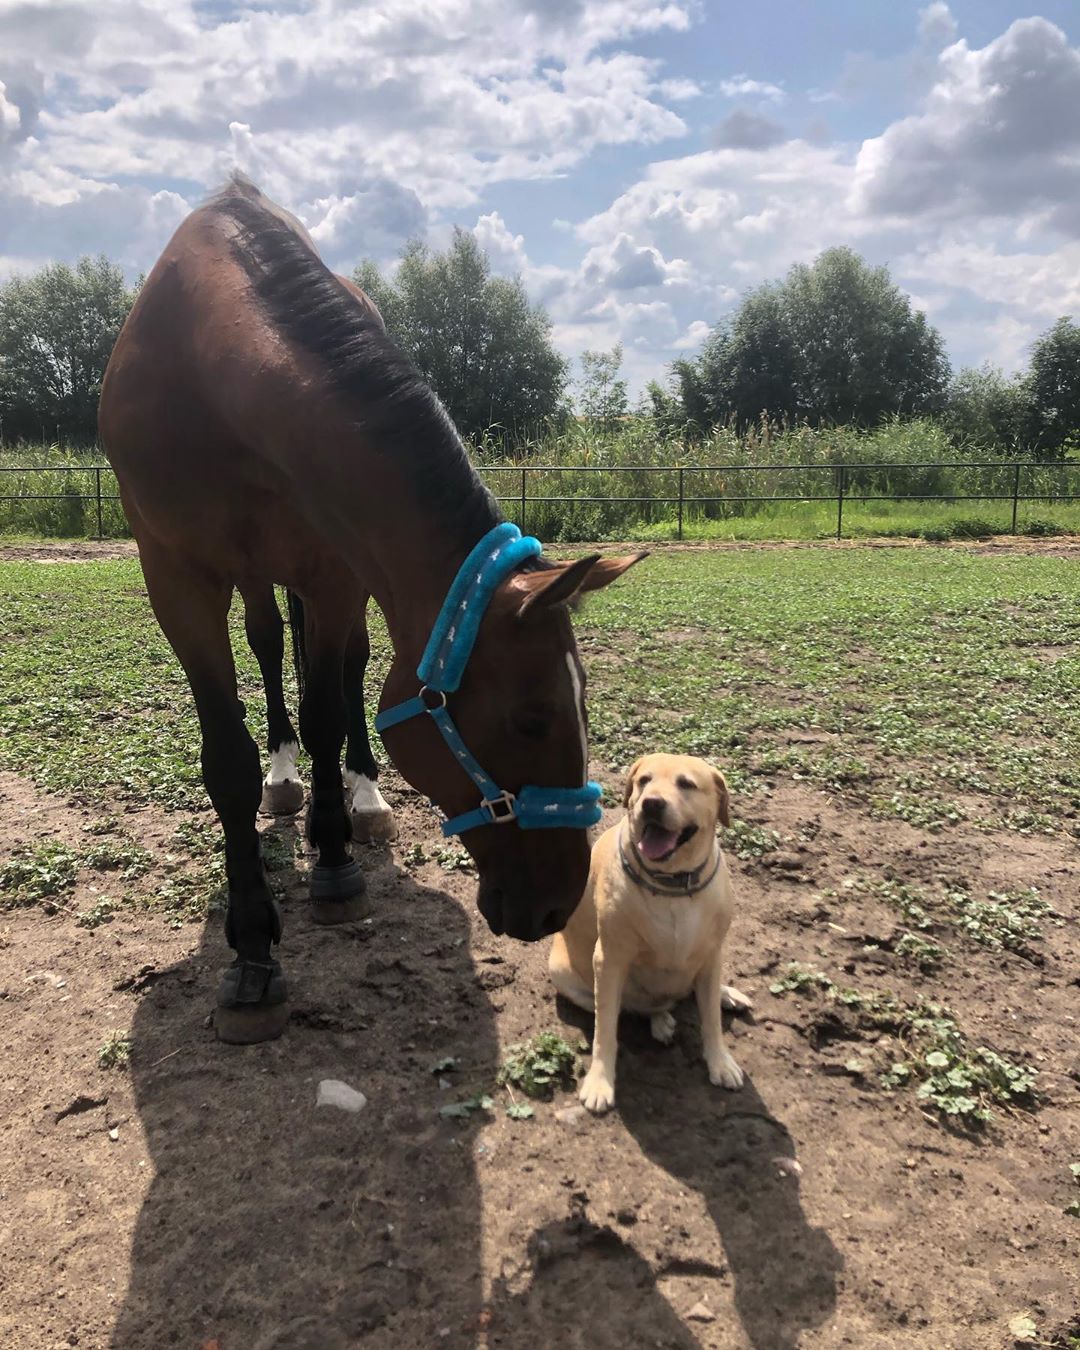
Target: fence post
1016,493
524,471
97,476
680,499
841,480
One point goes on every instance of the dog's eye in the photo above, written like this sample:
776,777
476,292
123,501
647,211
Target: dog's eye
644,779
686,784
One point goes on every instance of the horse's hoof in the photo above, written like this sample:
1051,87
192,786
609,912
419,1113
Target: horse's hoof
252,1003
282,799
338,894
249,1026
374,827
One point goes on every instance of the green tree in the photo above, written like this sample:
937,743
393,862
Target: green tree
834,341
986,410
1052,386
57,329
601,394
477,340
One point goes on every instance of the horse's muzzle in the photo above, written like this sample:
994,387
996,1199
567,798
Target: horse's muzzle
521,915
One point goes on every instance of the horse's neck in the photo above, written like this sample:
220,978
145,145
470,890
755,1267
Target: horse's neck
413,570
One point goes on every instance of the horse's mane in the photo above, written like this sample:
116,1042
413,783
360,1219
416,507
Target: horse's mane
365,367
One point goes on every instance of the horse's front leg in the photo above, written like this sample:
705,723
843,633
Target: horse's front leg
192,609
372,819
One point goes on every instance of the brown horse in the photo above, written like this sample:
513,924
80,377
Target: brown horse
264,429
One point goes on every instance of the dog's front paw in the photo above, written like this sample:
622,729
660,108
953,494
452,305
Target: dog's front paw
724,1072
734,1000
597,1092
662,1026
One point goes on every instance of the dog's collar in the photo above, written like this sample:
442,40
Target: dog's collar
669,883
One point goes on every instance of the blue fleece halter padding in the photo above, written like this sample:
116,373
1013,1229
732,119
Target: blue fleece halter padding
447,652
452,639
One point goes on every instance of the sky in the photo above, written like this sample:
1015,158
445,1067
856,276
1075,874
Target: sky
639,163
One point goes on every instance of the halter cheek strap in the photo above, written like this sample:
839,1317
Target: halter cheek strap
440,670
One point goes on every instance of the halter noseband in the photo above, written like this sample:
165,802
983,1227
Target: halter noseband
440,670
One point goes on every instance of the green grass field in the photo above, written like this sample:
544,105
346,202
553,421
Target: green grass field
939,685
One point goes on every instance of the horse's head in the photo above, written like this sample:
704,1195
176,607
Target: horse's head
520,710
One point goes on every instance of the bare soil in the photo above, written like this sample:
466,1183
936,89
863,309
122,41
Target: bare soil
1056,546
197,1198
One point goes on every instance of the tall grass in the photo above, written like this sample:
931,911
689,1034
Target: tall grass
634,471
62,502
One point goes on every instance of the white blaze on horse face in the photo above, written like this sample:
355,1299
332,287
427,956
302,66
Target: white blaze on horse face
283,764
364,795
579,707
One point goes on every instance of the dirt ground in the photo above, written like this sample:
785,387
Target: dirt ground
198,1198
1057,546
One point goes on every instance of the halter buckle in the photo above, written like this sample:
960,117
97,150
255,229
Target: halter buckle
502,809
437,694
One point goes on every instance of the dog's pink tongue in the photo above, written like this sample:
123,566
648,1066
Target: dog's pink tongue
656,843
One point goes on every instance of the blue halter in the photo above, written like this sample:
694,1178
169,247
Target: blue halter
440,670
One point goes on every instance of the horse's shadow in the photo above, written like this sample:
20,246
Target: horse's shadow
270,1223
740,1158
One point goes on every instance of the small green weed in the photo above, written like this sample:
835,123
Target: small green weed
1003,921
453,858
539,1066
103,825
277,853
749,841
121,855
38,872
115,1051
923,1043
462,1110
100,912
922,951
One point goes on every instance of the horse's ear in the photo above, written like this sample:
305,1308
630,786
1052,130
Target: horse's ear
557,585
554,585
607,570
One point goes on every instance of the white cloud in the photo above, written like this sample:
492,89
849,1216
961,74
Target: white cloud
693,337
1000,136
358,117
506,251
740,86
936,23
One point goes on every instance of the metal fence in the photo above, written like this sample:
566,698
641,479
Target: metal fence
838,476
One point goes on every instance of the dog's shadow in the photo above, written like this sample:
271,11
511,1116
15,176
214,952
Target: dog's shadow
735,1152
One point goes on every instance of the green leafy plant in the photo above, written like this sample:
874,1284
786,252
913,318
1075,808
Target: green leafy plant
925,1044
100,912
462,1110
539,1066
115,1051
38,872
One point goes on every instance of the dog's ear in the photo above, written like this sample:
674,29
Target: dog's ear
628,790
723,798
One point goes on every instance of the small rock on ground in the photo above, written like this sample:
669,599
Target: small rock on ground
332,1092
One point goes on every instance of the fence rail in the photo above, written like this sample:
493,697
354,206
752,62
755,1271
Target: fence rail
841,474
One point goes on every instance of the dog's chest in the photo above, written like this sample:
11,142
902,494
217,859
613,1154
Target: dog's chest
676,939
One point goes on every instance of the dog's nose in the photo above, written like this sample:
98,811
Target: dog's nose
652,808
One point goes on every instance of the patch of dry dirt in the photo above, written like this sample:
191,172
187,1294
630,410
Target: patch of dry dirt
1059,546
228,1212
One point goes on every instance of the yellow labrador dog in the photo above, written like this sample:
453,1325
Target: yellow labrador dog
651,924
